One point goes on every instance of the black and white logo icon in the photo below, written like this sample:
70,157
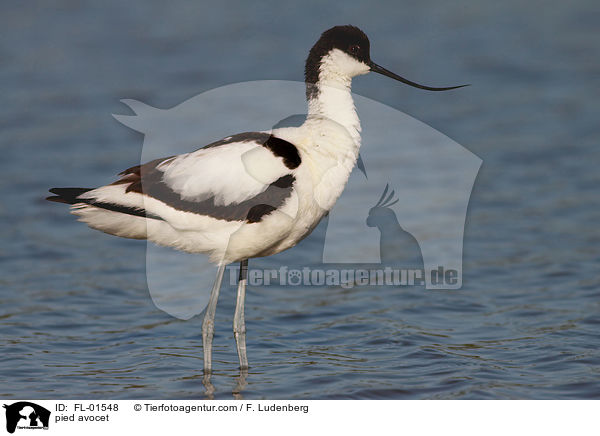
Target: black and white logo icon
26,415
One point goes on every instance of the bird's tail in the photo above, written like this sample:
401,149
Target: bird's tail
67,195
102,212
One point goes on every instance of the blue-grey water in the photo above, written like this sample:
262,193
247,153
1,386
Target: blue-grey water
76,317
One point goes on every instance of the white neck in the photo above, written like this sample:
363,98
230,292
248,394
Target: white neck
333,100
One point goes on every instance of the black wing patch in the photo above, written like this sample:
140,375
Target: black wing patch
149,181
285,150
67,195
279,147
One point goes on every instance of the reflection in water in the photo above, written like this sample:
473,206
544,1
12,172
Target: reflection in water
208,386
241,384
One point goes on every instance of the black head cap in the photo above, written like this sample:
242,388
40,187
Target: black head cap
352,41
349,39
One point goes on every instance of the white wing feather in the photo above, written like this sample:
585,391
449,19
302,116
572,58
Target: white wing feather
231,173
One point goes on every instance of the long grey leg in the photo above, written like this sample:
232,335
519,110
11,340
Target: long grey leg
208,325
239,323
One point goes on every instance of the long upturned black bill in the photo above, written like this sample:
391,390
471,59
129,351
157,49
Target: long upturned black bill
377,69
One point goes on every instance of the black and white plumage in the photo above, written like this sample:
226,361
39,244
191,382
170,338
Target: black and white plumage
251,194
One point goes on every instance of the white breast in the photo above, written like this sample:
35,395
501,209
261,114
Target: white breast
328,152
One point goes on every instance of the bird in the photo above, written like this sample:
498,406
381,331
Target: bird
251,194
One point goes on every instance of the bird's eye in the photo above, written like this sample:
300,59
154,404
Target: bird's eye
354,49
